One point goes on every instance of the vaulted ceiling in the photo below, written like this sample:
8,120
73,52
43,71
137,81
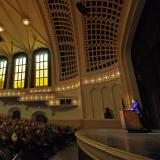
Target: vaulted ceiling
17,36
79,32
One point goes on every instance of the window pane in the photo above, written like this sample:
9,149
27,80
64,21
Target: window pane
46,57
19,84
45,81
19,76
37,58
22,84
16,69
20,61
41,65
41,82
37,66
17,61
3,65
24,60
16,76
4,71
20,69
45,73
37,74
45,65
37,82
41,57
41,69
15,84
41,73
23,75
23,68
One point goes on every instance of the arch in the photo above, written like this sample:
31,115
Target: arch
107,100
91,96
41,67
14,113
3,71
103,89
19,70
96,103
39,116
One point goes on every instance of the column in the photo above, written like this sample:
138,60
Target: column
29,76
9,72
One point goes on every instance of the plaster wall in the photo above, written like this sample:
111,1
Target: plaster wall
97,97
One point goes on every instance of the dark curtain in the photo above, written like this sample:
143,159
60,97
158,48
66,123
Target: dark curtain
146,61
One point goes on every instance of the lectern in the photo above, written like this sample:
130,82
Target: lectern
130,120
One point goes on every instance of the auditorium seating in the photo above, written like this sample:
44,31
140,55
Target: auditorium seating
27,140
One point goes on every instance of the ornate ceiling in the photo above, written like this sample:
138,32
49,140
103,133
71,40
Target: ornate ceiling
84,35
17,36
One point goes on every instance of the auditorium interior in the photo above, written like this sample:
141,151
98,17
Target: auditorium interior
79,79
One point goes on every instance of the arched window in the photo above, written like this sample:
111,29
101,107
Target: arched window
3,68
41,67
19,76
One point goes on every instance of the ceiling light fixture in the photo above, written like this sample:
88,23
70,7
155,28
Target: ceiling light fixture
2,28
26,21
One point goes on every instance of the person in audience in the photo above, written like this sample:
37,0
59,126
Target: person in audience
33,140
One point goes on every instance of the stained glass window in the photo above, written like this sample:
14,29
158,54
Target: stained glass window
19,72
41,68
3,67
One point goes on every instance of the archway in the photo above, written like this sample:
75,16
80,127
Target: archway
107,101
14,113
39,117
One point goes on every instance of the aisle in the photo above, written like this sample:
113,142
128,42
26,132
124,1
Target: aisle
70,153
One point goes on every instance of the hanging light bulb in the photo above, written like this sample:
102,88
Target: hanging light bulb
26,21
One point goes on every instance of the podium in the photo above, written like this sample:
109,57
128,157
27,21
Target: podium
130,120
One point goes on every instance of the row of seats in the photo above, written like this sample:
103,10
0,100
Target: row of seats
28,140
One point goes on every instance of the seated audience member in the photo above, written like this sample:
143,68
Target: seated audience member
32,140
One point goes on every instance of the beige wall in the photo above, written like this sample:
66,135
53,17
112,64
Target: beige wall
26,111
91,106
99,96
52,113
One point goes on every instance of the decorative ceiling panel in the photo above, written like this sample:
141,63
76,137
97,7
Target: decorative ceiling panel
16,36
100,23
62,23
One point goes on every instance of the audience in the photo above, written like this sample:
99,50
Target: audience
32,140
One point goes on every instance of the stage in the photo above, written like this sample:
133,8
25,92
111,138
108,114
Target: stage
118,144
